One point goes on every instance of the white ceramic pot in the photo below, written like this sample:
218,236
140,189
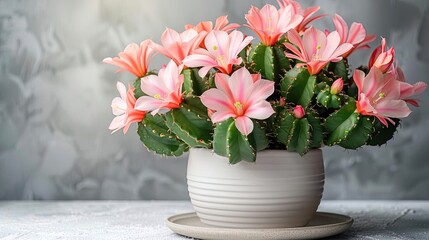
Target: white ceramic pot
281,189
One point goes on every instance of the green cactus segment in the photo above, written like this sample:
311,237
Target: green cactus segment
287,80
190,126
138,91
219,137
258,138
359,135
316,130
193,83
328,100
286,124
299,134
340,69
382,134
263,58
301,88
281,62
300,138
230,143
156,137
340,123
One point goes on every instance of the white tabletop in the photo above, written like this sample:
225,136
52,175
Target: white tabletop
145,219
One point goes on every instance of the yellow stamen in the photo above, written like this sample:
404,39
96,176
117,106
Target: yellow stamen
380,96
215,47
221,60
239,107
157,96
317,55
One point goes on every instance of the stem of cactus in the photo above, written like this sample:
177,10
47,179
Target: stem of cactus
340,69
270,61
190,123
328,100
347,128
229,142
156,136
193,83
299,134
382,134
298,86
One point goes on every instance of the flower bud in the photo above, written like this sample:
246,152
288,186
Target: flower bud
337,86
299,112
282,101
382,58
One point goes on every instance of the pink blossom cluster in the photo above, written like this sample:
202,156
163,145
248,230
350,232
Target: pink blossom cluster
238,94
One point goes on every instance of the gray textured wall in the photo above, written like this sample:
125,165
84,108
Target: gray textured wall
55,100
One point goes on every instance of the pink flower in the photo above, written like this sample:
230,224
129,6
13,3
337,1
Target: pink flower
221,25
134,59
379,95
355,36
299,112
207,26
316,49
221,53
337,86
240,98
270,24
408,90
382,58
123,109
307,13
164,91
178,46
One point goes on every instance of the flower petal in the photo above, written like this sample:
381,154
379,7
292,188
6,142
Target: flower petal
244,125
148,104
221,116
117,123
119,106
122,90
241,83
262,89
260,110
216,100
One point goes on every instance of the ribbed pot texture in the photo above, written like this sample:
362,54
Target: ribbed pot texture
281,189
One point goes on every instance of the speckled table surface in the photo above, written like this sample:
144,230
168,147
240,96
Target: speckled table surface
145,219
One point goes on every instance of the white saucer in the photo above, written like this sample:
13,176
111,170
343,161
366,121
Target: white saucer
322,225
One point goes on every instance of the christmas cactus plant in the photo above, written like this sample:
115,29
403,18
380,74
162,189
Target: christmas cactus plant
294,90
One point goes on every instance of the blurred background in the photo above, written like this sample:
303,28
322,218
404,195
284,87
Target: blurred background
55,96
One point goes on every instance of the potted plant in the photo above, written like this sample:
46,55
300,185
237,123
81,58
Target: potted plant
254,116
